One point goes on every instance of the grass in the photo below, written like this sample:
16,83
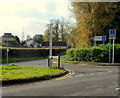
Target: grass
11,60
16,72
70,61
65,61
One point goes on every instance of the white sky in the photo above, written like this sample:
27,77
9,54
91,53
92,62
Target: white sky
32,15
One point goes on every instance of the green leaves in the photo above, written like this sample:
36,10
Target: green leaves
98,54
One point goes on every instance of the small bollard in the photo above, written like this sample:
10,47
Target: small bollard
48,62
58,61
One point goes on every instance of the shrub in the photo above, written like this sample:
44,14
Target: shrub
93,53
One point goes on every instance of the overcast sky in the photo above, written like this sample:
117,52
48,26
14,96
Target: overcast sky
32,15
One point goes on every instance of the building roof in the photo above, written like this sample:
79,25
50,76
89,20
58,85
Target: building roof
8,35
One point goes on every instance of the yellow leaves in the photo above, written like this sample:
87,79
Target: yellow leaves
91,17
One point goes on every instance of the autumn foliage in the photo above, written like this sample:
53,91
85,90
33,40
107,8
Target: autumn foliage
94,18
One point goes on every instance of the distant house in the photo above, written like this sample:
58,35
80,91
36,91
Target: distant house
8,39
29,43
45,44
35,45
38,38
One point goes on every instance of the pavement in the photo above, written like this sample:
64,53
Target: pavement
98,64
87,80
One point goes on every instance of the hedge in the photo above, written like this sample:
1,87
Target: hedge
93,53
29,53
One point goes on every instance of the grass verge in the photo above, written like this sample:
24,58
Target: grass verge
64,61
16,72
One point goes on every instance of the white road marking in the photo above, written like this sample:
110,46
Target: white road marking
91,74
117,89
79,75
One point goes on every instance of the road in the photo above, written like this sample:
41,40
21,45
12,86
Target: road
42,63
87,80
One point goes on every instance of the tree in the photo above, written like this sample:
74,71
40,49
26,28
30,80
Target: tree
91,20
60,31
55,32
22,43
115,23
17,39
46,33
28,38
71,40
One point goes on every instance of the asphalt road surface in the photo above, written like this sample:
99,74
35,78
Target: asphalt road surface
87,80
42,63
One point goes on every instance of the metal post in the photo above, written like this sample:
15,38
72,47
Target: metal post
48,62
103,42
50,55
7,51
109,50
58,61
113,51
95,43
7,55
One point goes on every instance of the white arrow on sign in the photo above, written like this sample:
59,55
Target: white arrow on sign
112,32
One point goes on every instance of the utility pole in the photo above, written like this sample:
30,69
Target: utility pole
50,43
23,35
7,50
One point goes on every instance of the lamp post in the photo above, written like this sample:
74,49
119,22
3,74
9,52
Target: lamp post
7,51
50,43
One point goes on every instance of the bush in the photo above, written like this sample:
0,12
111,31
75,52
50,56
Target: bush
93,53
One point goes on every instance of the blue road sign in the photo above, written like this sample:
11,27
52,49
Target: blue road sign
103,38
99,38
112,32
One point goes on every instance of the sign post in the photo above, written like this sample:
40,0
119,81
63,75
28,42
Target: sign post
99,38
109,50
95,43
113,51
112,35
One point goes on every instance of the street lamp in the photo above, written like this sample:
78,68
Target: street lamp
50,43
